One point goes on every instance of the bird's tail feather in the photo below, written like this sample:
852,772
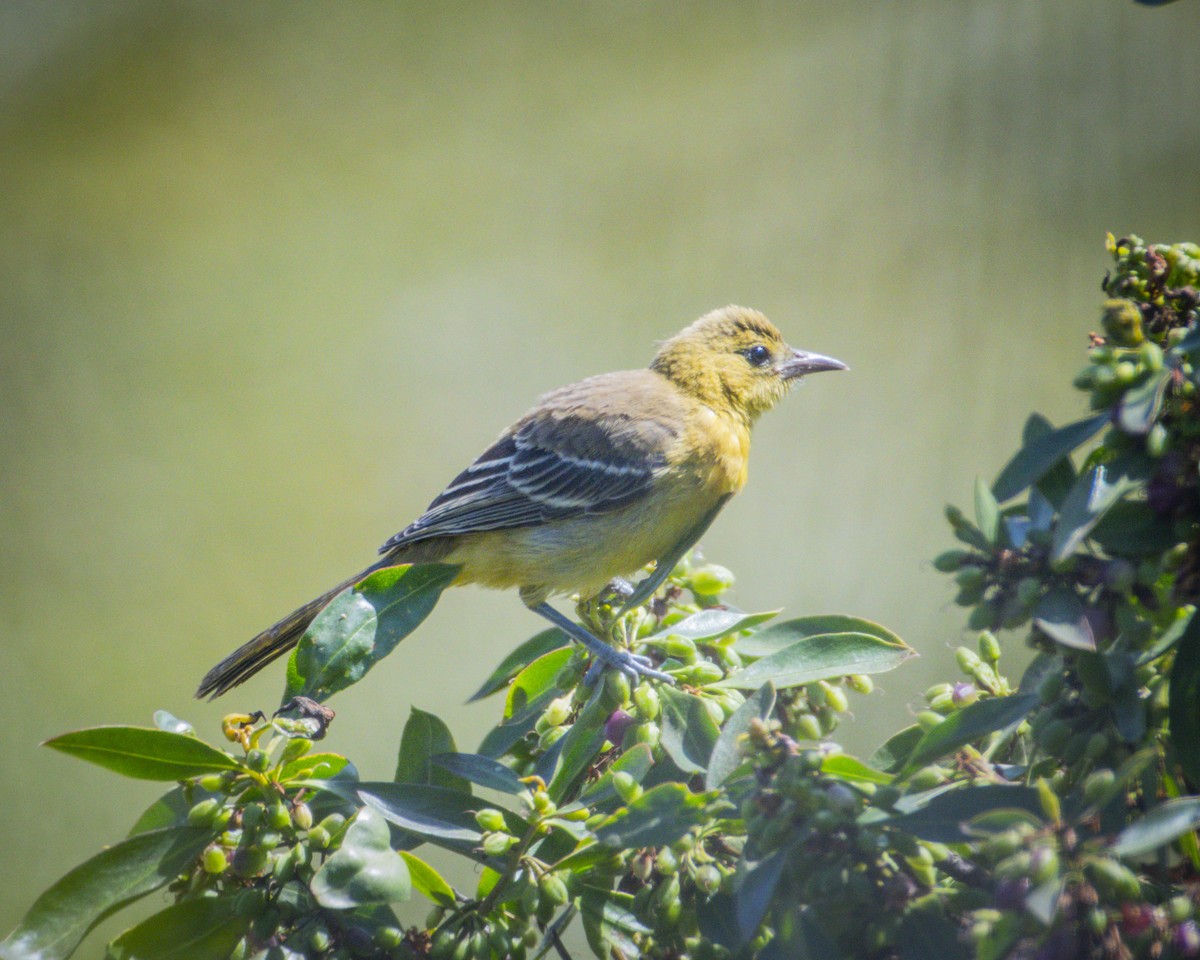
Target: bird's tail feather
273,642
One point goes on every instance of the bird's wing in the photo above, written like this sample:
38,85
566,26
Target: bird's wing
554,464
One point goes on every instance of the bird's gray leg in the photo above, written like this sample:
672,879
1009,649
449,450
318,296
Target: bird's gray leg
630,663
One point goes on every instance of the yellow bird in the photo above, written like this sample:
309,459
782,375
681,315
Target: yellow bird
598,480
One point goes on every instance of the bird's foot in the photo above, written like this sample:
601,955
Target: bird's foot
634,665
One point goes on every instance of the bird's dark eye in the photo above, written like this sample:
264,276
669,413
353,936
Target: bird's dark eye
758,355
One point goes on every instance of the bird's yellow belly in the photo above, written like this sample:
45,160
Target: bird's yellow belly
583,554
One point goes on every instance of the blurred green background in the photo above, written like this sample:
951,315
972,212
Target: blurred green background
271,273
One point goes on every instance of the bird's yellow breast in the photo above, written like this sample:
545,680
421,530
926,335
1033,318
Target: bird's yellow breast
583,554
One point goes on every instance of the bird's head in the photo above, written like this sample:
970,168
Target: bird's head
734,359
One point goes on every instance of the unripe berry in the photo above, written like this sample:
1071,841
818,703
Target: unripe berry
491,820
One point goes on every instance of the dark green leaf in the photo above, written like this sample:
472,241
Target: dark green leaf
1044,448
579,746
1061,616
987,512
536,646
609,922
144,752
756,883
660,816
364,870
718,922
967,725
822,657
429,812
727,753
1182,715
890,756
1132,529
946,817
1095,492
928,935
1140,405
711,624
481,770
205,929
115,877
689,732
536,680
362,625
424,736
427,881
772,639
1159,827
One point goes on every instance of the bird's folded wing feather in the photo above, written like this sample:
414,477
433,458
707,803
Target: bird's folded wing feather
560,461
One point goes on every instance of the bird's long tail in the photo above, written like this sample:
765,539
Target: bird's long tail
273,642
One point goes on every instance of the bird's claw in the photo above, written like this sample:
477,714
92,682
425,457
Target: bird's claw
633,665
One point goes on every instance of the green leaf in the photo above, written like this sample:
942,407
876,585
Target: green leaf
689,732
1060,615
424,736
987,512
1182,716
362,625
428,812
822,657
169,810
481,770
205,929
1094,493
364,870
1171,636
115,877
726,755
772,639
579,746
535,681
967,725
427,881
660,816
1159,827
1131,528
926,934
947,817
609,922
317,766
890,755
636,761
1044,447
1140,405
536,646
845,767
144,753
711,624
756,883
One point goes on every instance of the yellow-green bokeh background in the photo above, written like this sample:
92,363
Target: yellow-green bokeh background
271,273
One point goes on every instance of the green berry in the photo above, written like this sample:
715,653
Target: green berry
645,697
490,819
214,860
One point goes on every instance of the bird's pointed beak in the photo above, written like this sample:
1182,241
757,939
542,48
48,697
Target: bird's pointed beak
802,362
